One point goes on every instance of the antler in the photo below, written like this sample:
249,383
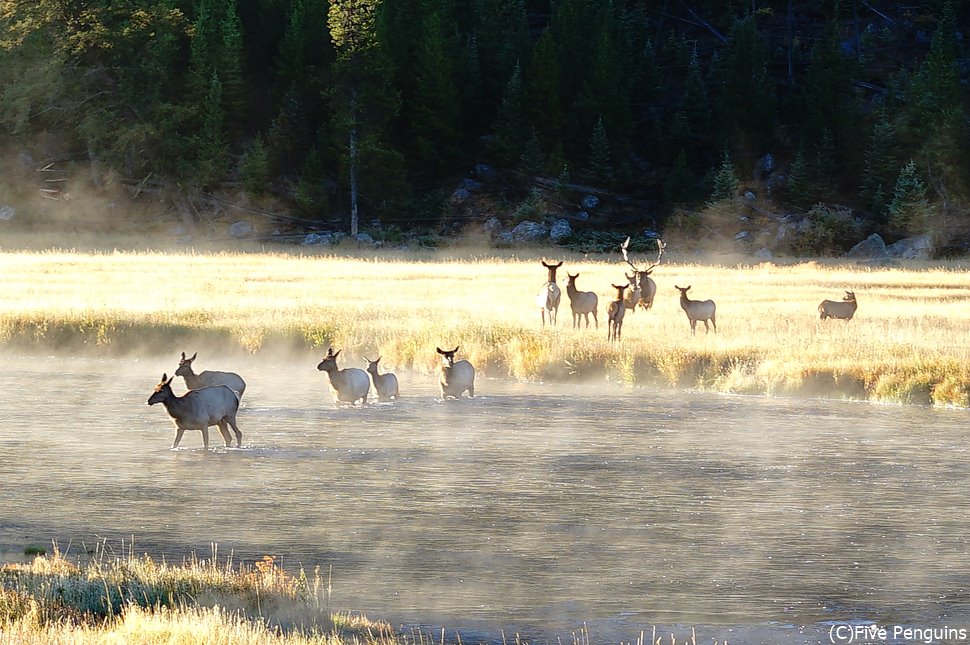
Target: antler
661,245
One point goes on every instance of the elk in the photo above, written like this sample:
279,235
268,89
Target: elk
455,378
644,287
841,310
549,295
348,385
384,384
614,312
208,378
198,409
697,310
583,303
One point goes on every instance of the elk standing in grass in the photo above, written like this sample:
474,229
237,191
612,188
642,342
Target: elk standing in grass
644,288
615,312
455,377
583,303
549,296
843,310
384,384
349,385
208,378
697,310
198,409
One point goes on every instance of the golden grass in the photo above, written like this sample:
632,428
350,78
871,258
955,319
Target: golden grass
139,600
910,340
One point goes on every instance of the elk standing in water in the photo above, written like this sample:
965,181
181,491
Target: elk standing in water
198,409
697,310
455,378
843,310
643,285
208,378
615,312
549,296
349,385
384,384
583,303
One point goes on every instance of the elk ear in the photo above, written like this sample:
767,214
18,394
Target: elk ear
440,351
378,359
193,356
455,349
558,265
164,377
337,353
183,356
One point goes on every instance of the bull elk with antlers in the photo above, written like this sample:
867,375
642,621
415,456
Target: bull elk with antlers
642,287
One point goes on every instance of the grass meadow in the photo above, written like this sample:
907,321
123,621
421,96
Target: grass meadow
909,341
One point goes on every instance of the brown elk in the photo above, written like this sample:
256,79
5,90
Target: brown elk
697,310
198,409
843,310
384,384
549,295
208,378
455,377
347,385
583,303
644,289
614,312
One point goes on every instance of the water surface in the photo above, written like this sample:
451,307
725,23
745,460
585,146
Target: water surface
532,509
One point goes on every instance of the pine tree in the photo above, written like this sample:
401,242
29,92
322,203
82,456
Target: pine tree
880,166
510,126
541,97
800,190
746,106
679,187
724,183
600,156
436,118
909,209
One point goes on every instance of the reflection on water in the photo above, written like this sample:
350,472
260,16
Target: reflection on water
530,509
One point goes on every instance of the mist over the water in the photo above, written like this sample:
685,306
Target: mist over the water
531,509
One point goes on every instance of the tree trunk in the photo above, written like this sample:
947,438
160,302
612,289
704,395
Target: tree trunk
353,167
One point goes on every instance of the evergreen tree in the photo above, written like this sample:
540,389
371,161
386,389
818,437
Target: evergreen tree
600,155
800,190
909,209
746,104
724,183
679,187
510,126
541,100
436,121
880,166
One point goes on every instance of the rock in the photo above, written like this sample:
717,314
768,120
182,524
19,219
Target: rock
486,173
240,229
590,202
763,167
764,255
471,185
324,239
460,195
749,196
871,248
493,226
530,232
912,248
364,238
560,229
741,236
7,212
582,216
505,237
776,183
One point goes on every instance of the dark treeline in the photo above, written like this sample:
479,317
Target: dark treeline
861,102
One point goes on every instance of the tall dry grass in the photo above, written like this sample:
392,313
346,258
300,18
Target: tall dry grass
909,342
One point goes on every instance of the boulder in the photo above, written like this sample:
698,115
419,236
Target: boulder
871,248
323,239
460,195
7,212
560,229
764,255
530,232
365,239
240,229
590,202
486,173
471,185
493,226
763,167
912,248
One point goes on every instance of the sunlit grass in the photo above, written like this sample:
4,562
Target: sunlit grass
909,342
133,599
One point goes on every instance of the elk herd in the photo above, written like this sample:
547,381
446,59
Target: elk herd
213,397
640,291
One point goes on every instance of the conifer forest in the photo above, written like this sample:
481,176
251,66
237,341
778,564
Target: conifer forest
330,111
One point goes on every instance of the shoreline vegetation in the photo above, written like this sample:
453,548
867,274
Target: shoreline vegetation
908,343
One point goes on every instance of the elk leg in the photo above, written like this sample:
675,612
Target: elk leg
224,430
205,437
178,437
235,429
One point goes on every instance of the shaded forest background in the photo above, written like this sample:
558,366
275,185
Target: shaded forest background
323,113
